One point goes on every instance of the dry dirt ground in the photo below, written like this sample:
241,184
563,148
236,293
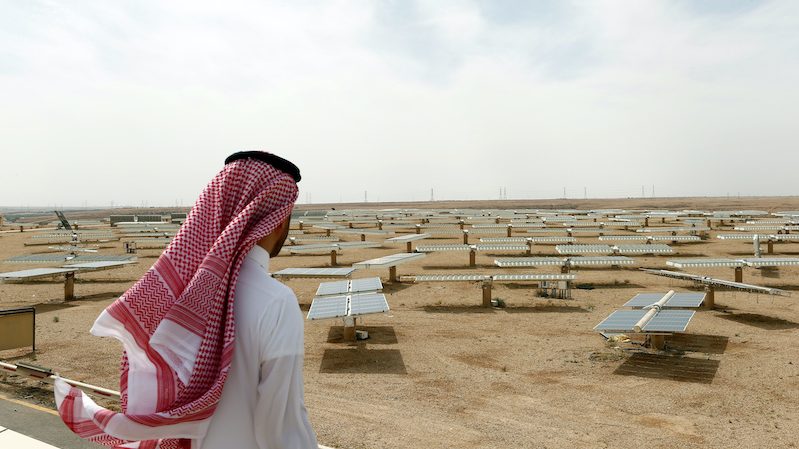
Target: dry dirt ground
440,371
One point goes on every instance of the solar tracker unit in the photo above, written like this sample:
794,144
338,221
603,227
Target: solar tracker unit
533,277
59,258
314,272
583,249
676,238
760,262
363,231
328,307
500,247
99,265
619,238
689,263
408,238
450,277
748,237
595,261
387,261
33,273
437,248
717,282
528,262
678,300
553,239
643,249
504,239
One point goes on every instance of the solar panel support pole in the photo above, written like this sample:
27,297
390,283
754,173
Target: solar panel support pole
657,342
300,225
465,236
349,328
770,246
327,232
333,258
363,237
418,229
710,297
380,224
69,286
646,222
408,247
510,230
392,273
487,287
462,224
739,274
530,247
472,257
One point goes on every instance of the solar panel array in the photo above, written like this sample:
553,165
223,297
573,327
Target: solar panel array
698,262
437,248
583,249
643,249
408,238
717,282
354,286
665,321
388,261
58,258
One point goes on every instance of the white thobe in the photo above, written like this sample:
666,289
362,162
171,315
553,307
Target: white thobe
262,404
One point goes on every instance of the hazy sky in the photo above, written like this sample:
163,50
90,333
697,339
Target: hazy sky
140,101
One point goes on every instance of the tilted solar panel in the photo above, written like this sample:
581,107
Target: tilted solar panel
328,307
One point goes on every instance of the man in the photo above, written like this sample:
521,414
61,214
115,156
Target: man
204,317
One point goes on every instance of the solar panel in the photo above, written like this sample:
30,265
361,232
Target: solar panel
450,277
614,238
583,249
607,260
674,229
620,321
363,231
683,299
533,277
354,286
33,273
669,321
748,237
328,307
528,261
717,282
688,263
643,249
437,248
387,261
408,238
99,265
500,247
760,262
504,239
368,304
314,272
553,239
676,238
58,258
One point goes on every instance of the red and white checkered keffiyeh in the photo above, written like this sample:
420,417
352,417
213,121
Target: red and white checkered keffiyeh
176,323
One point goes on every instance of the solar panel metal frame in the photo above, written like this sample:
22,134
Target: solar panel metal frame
450,277
664,321
443,248
532,277
652,248
606,260
759,262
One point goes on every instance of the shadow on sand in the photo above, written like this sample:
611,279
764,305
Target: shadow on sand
658,366
761,321
360,360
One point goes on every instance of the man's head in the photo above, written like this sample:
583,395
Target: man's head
273,242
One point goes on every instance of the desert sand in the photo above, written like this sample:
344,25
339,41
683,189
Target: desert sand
441,371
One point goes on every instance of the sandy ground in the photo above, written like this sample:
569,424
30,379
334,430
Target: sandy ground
440,371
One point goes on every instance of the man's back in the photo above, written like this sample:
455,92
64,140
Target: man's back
262,404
